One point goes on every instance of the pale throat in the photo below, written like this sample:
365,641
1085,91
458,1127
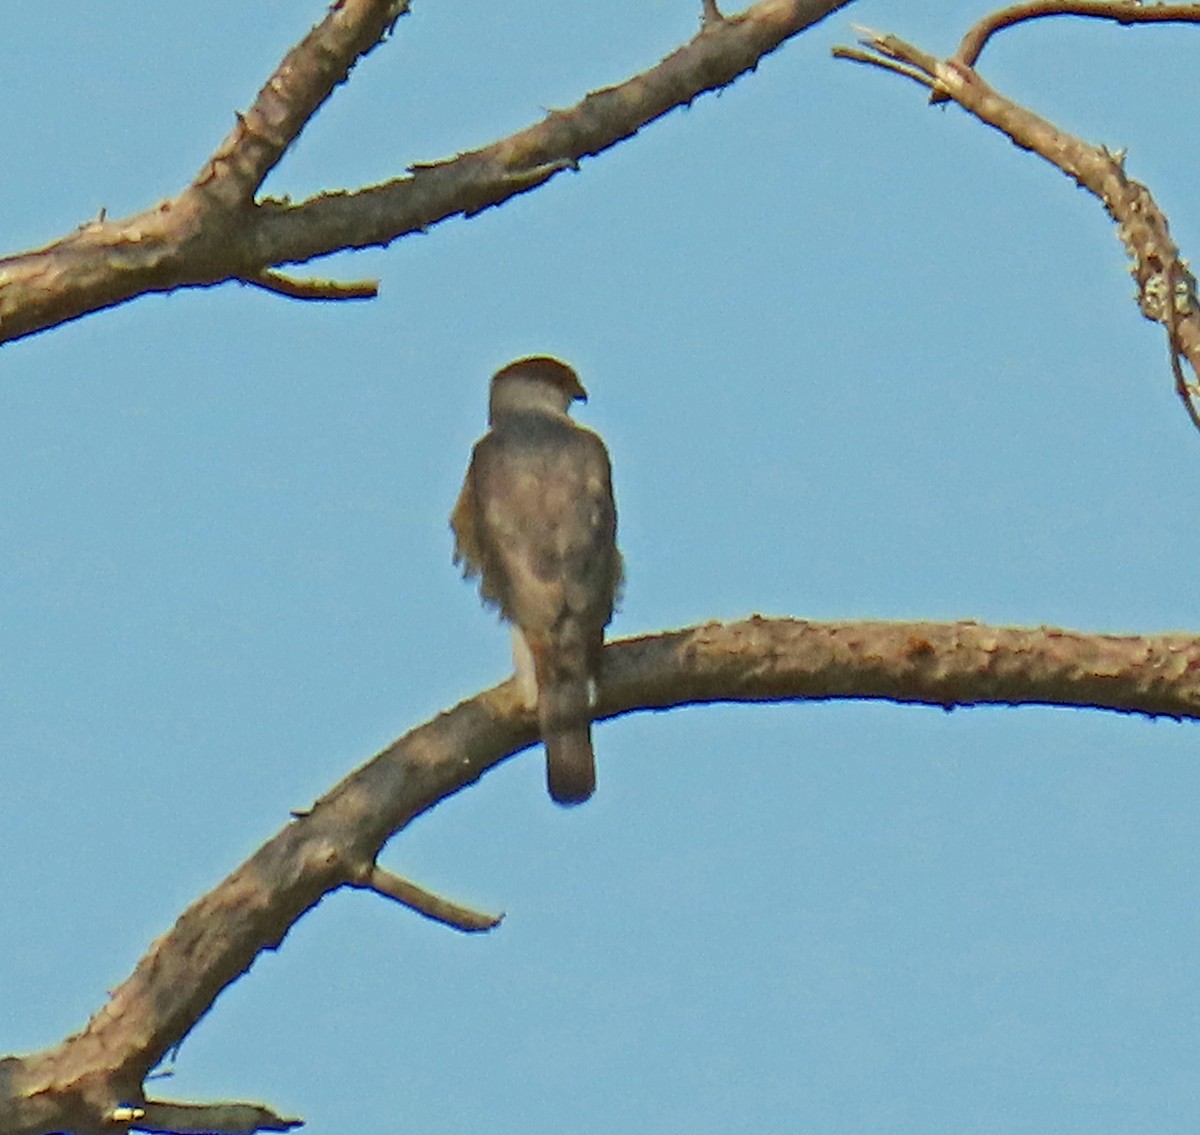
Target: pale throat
516,395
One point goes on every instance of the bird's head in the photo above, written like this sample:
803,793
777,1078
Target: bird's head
538,382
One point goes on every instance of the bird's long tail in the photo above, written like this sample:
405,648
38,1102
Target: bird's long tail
564,713
570,764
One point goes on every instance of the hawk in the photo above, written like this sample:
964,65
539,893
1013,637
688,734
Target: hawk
536,522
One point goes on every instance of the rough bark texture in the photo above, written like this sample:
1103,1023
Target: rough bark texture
77,1085
1166,288
214,231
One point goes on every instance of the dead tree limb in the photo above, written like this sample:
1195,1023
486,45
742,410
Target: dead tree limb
1119,11
1166,288
216,231
93,1081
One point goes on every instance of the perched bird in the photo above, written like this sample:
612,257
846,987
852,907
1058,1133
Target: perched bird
536,522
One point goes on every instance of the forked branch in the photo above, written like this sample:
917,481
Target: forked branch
1166,288
216,231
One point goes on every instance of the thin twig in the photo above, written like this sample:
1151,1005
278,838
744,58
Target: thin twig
1187,391
209,1119
312,289
426,903
858,55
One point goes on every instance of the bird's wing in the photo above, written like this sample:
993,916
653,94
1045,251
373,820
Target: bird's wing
464,523
547,526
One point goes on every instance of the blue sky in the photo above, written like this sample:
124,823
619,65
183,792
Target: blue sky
853,357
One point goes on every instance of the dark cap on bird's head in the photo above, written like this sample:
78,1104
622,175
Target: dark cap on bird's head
536,521
543,368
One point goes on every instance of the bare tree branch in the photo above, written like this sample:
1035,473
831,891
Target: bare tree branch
428,904
214,231
166,1118
1122,11
293,94
711,13
872,59
81,1084
312,289
1166,288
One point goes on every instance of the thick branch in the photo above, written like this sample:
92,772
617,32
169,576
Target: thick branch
1166,288
79,1085
291,96
213,232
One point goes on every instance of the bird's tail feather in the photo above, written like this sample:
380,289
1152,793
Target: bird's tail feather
570,764
564,713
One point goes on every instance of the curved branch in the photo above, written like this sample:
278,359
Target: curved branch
1166,287
98,1073
214,232
1122,11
